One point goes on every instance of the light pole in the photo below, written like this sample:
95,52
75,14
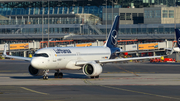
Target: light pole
112,11
42,23
175,18
106,19
48,23
175,15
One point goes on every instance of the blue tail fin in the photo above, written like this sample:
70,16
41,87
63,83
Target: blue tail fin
112,38
178,37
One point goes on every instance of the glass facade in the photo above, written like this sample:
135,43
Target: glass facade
146,3
55,7
73,25
74,6
152,14
16,12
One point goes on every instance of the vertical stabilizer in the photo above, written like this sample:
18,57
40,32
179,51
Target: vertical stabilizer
178,37
112,37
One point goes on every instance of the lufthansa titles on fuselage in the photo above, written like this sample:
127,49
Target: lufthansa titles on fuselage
62,51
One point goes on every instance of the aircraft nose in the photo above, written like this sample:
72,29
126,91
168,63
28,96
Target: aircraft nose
35,63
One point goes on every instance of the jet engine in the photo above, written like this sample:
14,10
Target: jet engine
35,72
92,69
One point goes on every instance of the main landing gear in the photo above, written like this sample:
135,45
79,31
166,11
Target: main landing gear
58,74
92,77
45,76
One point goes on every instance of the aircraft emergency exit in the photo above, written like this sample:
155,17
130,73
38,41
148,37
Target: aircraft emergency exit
89,59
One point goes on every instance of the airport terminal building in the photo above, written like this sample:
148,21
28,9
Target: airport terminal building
87,19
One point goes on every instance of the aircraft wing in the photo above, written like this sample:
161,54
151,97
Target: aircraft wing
14,57
116,60
126,59
18,57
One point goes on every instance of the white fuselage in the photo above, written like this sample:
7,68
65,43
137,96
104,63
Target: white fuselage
66,57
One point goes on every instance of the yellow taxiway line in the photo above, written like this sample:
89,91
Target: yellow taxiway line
33,91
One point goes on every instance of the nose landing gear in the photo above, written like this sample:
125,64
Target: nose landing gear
45,77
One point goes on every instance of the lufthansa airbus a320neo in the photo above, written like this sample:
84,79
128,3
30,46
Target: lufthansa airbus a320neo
89,59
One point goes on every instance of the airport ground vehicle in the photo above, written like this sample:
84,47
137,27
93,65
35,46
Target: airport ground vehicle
155,60
162,60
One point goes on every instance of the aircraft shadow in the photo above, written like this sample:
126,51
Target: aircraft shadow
65,76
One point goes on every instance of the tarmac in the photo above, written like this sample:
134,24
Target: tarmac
119,81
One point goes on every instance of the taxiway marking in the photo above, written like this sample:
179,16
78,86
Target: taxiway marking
33,91
140,92
162,96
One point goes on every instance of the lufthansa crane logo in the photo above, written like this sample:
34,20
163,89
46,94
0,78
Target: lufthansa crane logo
114,37
178,41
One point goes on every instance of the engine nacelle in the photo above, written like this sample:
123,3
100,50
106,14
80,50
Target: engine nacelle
35,72
92,69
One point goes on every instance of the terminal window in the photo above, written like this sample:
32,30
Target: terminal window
128,16
134,16
165,12
122,16
157,14
171,14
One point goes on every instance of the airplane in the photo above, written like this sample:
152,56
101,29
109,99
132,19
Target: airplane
177,49
88,59
169,51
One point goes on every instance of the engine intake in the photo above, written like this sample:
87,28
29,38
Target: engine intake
35,72
92,69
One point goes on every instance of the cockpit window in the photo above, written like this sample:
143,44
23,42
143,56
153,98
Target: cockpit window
41,55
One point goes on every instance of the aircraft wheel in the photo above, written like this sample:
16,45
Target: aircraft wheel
97,76
55,75
60,75
45,77
92,77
